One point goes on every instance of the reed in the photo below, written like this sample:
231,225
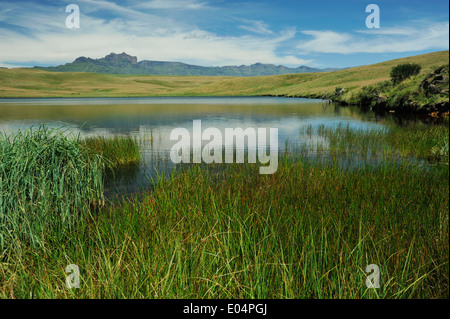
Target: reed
115,150
419,141
308,231
46,183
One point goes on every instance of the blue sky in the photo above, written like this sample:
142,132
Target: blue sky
222,32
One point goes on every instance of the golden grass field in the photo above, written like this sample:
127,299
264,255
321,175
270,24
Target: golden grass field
27,82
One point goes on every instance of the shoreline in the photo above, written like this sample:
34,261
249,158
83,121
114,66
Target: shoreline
365,86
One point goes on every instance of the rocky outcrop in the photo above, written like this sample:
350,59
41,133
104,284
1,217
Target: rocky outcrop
112,58
430,95
437,83
120,58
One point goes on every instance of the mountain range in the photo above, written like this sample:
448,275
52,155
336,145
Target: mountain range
127,64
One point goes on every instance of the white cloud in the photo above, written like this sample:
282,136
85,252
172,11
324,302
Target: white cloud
258,27
198,47
389,40
95,5
172,4
4,65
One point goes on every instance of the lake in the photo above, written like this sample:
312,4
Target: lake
152,119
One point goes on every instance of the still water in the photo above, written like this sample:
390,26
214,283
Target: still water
152,120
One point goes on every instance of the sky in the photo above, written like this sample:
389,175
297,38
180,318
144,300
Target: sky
316,33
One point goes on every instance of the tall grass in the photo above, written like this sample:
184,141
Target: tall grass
46,183
419,141
308,231
115,150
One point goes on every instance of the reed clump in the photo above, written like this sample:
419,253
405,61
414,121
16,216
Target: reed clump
115,150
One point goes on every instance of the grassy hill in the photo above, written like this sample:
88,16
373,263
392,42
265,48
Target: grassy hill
127,64
38,83
321,84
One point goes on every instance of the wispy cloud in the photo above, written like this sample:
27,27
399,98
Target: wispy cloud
258,27
173,4
401,39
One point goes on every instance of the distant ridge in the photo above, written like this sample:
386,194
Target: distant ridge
126,64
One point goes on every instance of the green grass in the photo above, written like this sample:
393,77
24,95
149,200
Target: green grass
35,83
407,94
115,151
46,184
308,231
420,141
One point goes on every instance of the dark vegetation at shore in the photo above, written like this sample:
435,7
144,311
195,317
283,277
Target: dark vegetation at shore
427,94
114,151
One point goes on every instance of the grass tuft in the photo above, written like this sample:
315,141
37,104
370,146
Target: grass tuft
46,183
116,150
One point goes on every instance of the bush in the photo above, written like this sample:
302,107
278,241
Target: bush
404,71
